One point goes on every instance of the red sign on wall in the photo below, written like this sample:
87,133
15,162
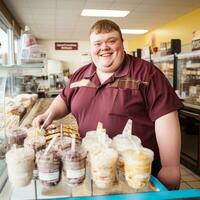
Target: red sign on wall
66,45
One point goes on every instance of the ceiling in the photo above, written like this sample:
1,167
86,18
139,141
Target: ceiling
61,19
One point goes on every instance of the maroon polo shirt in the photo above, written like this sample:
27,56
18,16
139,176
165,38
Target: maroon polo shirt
137,90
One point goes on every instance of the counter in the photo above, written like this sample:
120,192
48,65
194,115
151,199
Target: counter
88,191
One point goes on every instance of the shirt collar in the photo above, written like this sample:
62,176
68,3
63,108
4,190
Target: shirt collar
90,71
123,70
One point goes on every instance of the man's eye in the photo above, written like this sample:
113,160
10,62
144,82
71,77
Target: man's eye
97,44
111,41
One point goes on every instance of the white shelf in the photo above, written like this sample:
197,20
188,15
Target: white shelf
193,54
163,58
31,65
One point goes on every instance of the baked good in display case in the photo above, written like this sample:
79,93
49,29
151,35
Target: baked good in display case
67,130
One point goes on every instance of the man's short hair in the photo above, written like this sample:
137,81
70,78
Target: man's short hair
105,26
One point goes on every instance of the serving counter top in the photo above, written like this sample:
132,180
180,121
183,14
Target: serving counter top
87,191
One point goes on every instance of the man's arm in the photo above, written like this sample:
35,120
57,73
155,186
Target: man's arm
56,110
168,136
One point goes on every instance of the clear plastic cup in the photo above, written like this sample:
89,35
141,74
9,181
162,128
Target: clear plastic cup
49,168
20,163
91,140
74,166
138,167
61,145
103,167
37,143
16,136
123,143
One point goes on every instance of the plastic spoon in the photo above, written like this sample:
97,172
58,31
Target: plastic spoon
50,145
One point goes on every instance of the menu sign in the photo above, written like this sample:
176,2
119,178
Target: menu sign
66,45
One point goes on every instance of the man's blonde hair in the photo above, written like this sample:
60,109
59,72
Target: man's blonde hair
105,26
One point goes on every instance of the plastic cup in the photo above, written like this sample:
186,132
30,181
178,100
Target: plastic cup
123,143
74,166
138,167
16,136
91,140
37,143
20,163
49,168
103,167
61,145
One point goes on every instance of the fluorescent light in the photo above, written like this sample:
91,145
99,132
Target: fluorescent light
134,31
104,13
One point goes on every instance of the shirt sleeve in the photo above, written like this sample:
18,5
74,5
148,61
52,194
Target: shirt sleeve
67,93
162,98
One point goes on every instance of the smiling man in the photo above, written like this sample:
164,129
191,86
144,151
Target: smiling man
107,48
116,87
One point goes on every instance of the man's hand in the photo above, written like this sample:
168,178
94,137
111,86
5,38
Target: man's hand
58,109
170,177
40,119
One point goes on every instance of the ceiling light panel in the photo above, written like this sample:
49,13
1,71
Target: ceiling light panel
104,13
134,31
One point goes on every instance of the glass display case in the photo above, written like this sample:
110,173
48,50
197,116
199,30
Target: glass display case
188,86
3,80
11,110
168,65
189,78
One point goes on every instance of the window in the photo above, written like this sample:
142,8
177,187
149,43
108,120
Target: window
4,46
9,44
16,48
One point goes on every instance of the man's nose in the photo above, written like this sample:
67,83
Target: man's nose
104,46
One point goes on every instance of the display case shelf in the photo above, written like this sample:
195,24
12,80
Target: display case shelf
166,58
189,55
30,65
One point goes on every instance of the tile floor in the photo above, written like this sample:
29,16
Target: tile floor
189,179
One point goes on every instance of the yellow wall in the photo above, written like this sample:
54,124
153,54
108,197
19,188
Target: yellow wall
179,28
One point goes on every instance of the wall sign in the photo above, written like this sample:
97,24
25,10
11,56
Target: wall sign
66,45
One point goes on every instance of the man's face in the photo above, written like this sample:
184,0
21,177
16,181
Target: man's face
107,50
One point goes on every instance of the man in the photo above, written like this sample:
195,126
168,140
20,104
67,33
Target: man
116,87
